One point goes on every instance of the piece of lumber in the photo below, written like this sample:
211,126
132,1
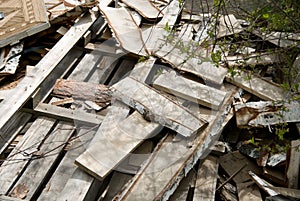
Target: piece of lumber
22,19
125,29
22,153
254,84
7,198
38,169
123,70
114,145
99,93
265,113
262,184
142,70
228,25
145,8
157,107
239,161
294,165
44,68
173,160
9,132
290,192
106,48
177,85
141,153
247,191
206,179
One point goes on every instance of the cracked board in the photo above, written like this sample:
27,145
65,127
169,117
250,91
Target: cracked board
22,18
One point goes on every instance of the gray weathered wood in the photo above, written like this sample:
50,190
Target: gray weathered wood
177,85
107,48
141,70
44,68
293,172
145,8
265,113
206,179
115,145
37,170
157,107
261,88
172,160
122,71
7,198
248,192
228,25
22,153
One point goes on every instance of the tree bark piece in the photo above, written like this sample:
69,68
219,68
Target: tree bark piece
98,93
157,107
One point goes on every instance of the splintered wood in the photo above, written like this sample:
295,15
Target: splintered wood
156,107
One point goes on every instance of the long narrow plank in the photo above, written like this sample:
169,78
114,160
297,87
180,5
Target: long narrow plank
36,172
293,172
125,29
116,144
12,129
152,104
265,113
256,85
44,68
172,160
145,8
190,90
66,167
23,152
206,182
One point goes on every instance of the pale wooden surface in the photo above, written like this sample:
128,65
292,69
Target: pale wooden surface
141,70
157,107
248,191
253,59
144,8
22,18
228,25
256,85
206,182
294,165
177,85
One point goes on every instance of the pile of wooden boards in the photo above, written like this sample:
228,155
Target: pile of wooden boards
128,105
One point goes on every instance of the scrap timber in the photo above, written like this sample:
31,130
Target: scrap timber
116,110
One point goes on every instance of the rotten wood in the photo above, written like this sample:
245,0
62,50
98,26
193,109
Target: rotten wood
177,85
156,107
101,94
260,114
144,8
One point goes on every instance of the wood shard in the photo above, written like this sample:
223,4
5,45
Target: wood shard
156,107
99,93
190,90
260,114
144,8
258,86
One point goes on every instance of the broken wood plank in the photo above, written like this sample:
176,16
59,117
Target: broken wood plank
157,107
190,90
172,160
126,134
294,165
44,68
144,8
248,192
21,155
106,48
228,25
44,160
125,29
254,84
206,179
265,113
262,184
99,93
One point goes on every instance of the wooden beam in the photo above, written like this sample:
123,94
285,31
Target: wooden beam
44,68
157,107
177,85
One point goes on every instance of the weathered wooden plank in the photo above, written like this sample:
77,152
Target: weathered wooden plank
30,83
262,184
293,172
228,25
144,8
141,70
123,70
254,84
206,179
99,93
12,129
177,85
248,192
116,144
125,29
25,149
7,198
38,169
66,167
158,179
157,107
265,113
107,48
